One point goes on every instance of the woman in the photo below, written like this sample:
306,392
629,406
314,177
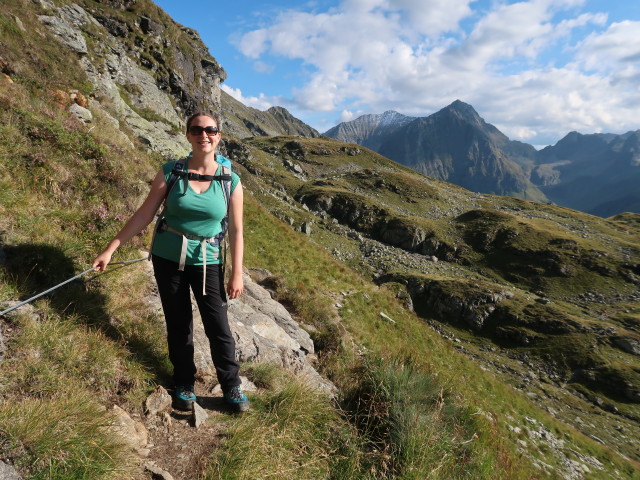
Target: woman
183,259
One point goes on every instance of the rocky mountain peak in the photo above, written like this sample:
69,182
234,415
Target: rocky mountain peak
462,112
391,117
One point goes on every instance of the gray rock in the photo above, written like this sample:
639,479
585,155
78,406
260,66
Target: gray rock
629,345
19,23
7,472
157,472
199,415
398,233
158,401
386,317
146,94
46,4
66,33
26,309
260,299
3,344
76,16
149,27
131,432
81,113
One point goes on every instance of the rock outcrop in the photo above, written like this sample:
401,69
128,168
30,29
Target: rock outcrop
147,82
151,73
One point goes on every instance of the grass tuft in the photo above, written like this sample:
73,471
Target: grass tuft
62,437
415,429
291,432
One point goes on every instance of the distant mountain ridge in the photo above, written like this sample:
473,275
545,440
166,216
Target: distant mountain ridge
241,121
369,130
454,144
595,173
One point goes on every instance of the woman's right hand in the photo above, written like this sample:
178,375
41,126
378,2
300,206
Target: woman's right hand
101,261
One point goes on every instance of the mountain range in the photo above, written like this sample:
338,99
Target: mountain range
596,173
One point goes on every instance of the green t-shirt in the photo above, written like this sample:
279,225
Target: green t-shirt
192,213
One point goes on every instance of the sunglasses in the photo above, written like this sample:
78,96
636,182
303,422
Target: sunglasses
197,130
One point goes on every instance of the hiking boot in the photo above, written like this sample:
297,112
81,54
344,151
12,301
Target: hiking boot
237,399
184,397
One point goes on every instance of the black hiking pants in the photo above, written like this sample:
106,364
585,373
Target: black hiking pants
174,289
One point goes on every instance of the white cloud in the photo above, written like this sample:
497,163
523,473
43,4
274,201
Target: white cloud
618,46
413,56
346,116
260,102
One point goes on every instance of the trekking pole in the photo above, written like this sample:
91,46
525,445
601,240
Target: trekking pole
63,283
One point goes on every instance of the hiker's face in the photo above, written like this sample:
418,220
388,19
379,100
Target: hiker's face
203,134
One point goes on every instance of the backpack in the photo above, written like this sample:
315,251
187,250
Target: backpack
178,172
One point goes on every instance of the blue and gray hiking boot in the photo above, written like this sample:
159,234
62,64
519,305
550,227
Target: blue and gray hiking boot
184,397
237,399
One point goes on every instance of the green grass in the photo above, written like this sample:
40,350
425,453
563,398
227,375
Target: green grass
61,437
416,429
292,431
63,194
54,355
360,321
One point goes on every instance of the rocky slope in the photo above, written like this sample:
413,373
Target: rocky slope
370,131
151,73
241,121
542,295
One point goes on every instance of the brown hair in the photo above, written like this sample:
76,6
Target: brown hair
204,113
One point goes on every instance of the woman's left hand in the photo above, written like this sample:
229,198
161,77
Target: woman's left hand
235,287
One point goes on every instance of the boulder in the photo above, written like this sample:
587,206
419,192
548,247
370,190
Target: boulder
81,113
66,33
158,401
132,433
200,415
157,472
7,472
150,27
627,344
264,331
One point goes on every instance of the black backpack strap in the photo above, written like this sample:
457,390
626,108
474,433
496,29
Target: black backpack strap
225,183
203,178
176,172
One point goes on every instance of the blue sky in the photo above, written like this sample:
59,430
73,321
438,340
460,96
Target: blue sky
535,69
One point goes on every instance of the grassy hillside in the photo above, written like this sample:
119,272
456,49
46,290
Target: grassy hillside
544,296
459,389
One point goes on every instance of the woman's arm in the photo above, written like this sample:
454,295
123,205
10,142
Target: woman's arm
236,241
139,220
